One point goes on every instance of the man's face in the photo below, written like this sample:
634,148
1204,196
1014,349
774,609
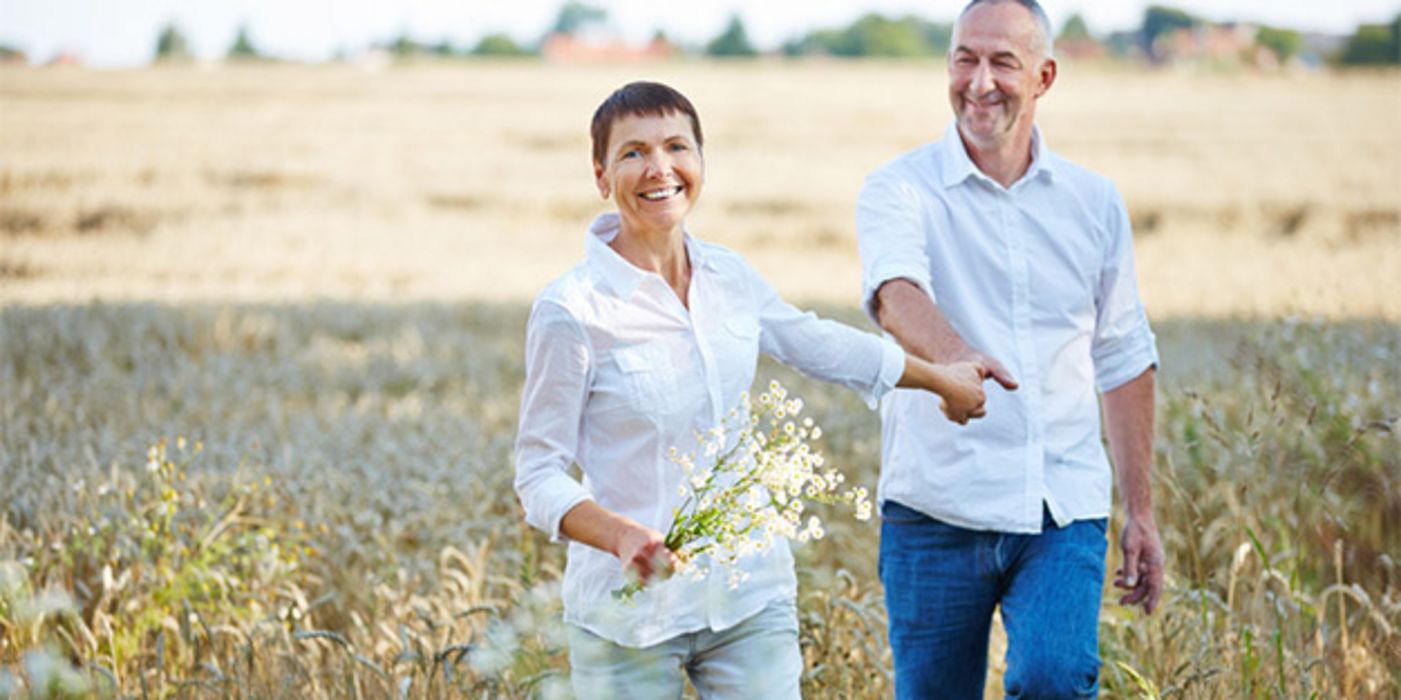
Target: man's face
996,74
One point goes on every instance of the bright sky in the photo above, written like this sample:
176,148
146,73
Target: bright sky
117,33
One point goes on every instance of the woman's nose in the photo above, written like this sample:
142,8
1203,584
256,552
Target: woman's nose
658,165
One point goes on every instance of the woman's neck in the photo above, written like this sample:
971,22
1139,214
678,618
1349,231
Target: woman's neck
662,252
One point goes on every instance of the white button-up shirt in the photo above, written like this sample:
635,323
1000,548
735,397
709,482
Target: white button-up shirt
618,371
1039,276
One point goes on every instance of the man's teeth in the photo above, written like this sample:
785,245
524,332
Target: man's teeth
661,194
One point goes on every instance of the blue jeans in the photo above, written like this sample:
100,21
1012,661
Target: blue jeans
942,583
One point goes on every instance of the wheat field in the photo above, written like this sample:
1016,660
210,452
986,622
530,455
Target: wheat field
260,360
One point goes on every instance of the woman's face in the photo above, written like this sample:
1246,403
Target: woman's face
653,172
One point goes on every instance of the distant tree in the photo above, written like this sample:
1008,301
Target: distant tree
574,15
1123,43
171,44
876,35
242,47
733,42
498,45
1075,29
1159,20
1374,44
12,54
1283,43
937,34
443,48
405,47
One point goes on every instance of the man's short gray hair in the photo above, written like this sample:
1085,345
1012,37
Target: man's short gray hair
1042,43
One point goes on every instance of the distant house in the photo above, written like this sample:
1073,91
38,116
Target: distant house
590,47
1079,49
65,58
1225,44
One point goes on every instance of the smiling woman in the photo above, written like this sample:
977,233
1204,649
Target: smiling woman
647,343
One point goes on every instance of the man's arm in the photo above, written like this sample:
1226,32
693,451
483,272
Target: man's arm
1128,419
907,313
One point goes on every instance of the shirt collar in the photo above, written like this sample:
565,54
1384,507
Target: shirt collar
615,271
958,166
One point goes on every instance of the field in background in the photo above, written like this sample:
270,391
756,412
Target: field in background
320,277
1251,195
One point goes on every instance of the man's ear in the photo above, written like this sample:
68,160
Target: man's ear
1047,74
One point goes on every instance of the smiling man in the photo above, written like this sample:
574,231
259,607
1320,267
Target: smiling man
987,246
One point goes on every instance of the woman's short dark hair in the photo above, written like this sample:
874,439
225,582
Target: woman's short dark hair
639,99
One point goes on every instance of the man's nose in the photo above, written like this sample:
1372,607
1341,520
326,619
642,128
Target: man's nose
981,81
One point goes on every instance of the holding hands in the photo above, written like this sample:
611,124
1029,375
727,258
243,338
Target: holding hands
959,383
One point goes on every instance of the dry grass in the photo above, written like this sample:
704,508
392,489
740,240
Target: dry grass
319,275
355,474
1252,195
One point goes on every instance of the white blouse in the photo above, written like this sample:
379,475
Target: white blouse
617,372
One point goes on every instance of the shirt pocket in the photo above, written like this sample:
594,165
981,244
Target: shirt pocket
649,380
735,345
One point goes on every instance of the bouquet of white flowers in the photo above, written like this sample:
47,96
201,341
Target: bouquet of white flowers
753,488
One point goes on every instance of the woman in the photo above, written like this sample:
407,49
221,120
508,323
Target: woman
649,340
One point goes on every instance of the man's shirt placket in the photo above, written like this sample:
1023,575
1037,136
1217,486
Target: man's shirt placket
1033,473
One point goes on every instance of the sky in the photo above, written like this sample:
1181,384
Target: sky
122,33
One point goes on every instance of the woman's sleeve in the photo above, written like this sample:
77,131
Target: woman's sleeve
824,349
558,359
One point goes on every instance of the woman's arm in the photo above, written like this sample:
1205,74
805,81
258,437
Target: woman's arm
638,547
959,384
862,361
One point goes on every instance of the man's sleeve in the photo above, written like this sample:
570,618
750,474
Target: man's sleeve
1124,345
890,237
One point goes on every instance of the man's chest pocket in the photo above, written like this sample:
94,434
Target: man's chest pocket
647,378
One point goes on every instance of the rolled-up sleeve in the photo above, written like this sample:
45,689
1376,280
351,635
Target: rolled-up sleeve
890,237
557,362
1124,345
824,349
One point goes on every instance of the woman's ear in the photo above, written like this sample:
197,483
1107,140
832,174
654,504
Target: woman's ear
600,180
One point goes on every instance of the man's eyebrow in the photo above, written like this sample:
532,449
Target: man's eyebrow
1005,53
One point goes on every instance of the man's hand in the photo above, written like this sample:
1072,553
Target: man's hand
1142,572
992,369
907,313
643,551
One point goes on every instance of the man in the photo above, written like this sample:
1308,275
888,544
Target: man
987,246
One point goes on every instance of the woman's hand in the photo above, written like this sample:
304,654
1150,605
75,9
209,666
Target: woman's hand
959,384
643,552
963,391
641,549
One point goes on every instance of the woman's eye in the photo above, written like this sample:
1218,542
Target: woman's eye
631,153
678,147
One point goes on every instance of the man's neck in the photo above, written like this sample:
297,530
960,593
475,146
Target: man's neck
1006,161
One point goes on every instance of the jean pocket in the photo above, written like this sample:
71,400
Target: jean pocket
900,514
